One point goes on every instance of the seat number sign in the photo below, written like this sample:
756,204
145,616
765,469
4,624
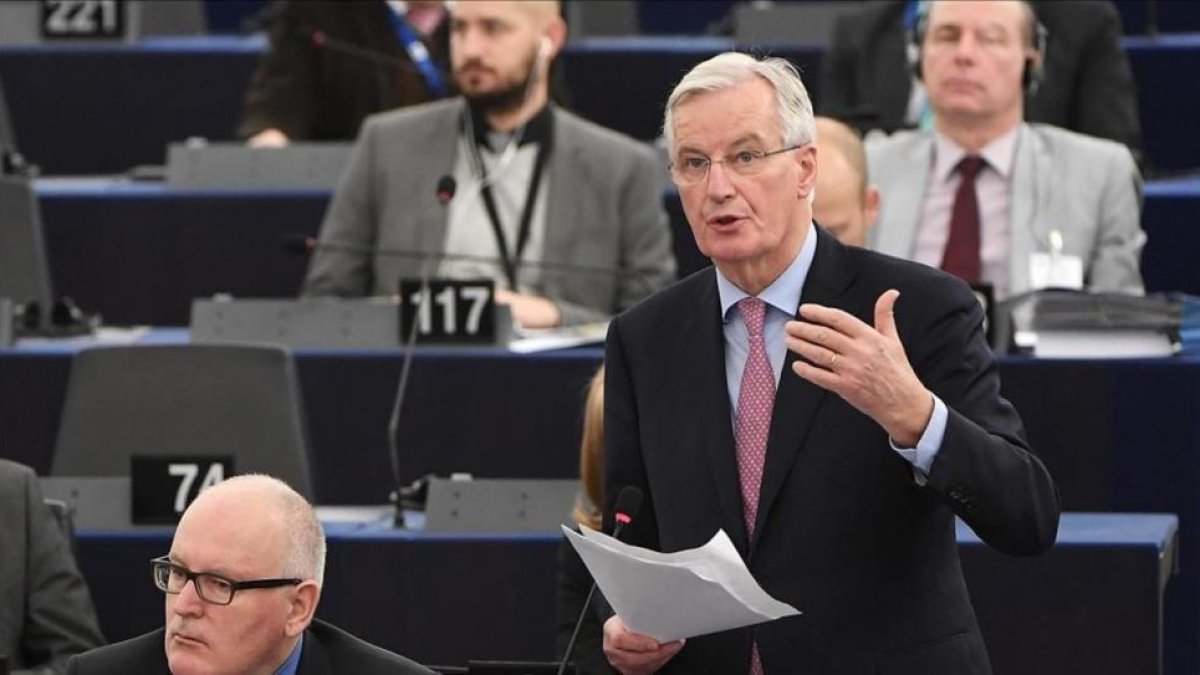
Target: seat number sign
67,19
163,487
448,311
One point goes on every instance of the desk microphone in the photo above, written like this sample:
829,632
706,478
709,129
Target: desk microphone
445,192
629,504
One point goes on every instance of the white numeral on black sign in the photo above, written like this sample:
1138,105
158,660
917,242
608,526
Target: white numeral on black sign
81,17
188,472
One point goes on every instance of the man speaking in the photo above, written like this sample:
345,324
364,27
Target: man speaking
832,409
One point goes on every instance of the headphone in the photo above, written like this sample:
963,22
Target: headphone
544,49
1031,75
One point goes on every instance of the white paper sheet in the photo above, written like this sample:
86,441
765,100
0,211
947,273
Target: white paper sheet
669,596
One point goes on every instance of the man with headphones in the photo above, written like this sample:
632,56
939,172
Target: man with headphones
1086,80
564,215
986,196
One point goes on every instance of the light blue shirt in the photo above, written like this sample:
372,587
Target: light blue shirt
293,660
782,298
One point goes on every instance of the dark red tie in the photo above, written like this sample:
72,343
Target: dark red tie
961,257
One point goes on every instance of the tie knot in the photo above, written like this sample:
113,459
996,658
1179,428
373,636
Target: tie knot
969,166
754,312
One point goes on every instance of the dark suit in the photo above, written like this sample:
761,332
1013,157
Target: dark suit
46,613
844,533
324,94
327,651
1088,84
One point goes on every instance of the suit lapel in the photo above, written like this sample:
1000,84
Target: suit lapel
706,360
1031,161
797,400
565,180
438,145
905,199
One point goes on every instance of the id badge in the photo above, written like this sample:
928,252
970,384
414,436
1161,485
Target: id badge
1055,271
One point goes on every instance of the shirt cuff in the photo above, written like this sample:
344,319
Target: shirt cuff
922,456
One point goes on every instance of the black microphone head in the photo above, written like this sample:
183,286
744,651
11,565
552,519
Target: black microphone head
629,504
446,186
297,243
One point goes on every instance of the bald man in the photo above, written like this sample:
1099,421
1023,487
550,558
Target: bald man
242,583
542,195
845,204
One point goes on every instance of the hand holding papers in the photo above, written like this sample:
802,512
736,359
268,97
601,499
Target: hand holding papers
669,596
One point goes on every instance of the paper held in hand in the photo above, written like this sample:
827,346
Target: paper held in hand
669,596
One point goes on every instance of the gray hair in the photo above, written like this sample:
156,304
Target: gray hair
732,68
304,543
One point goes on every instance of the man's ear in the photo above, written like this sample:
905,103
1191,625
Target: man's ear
870,207
806,159
556,33
303,606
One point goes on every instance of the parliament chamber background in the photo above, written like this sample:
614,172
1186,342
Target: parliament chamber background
1119,436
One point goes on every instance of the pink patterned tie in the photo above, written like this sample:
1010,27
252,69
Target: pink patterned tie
756,399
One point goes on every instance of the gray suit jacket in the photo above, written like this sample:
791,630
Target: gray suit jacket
46,613
1089,189
604,208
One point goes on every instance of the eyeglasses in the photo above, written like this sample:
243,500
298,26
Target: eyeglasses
212,588
693,168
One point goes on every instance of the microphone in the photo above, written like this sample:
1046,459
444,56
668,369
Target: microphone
446,186
629,504
321,40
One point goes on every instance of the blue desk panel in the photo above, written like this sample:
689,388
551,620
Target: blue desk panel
1092,604
138,253
1116,435
103,109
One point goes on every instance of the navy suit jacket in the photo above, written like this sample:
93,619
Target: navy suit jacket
844,532
328,650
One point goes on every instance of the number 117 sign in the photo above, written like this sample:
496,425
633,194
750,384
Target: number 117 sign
459,311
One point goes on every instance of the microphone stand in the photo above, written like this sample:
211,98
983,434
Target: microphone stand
409,353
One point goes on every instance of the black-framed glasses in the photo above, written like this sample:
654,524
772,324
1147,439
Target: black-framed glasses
212,588
693,167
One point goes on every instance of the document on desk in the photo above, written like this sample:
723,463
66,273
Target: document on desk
669,596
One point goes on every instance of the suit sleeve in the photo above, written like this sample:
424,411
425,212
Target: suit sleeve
351,220
839,84
1115,264
985,471
283,91
647,262
1105,100
59,618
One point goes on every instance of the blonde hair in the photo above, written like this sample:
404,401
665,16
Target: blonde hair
591,455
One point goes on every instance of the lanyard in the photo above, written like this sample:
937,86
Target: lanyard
512,261
418,53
